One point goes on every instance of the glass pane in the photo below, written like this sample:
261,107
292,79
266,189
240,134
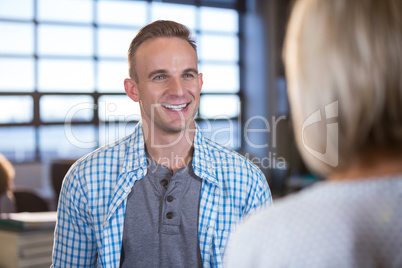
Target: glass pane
66,75
122,12
220,78
16,38
17,143
65,10
66,108
114,131
219,106
218,47
224,132
63,40
118,108
219,19
184,14
16,74
114,42
16,9
67,141
111,76
228,3
16,109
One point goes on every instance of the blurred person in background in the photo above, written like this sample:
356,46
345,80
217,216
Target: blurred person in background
7,173
343,63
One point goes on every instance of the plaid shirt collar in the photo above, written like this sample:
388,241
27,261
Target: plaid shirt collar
203,164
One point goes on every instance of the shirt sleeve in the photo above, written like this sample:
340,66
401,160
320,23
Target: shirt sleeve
74,242
259,194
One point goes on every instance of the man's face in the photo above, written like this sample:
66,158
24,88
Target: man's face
168,86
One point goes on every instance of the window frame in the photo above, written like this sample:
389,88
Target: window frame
36,95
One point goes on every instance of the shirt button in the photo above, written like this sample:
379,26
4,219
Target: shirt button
169,198
164,183
169,215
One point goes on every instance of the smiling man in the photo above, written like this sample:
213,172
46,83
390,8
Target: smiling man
164,196
166,83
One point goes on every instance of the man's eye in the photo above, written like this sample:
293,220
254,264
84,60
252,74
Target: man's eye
159,77
188,76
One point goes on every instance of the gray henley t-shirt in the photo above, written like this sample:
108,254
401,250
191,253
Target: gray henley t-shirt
161,220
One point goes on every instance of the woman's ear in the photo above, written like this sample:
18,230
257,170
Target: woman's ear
131,89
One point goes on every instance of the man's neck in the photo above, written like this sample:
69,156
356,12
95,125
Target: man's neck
173,150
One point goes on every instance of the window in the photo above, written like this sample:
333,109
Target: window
63,62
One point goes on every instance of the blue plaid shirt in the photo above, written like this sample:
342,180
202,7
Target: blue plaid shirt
93,199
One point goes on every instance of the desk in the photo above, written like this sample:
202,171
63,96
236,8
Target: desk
28,242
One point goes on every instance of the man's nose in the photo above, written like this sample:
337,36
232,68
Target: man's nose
176,87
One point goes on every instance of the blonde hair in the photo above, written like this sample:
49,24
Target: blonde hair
7,174
346,55
159,28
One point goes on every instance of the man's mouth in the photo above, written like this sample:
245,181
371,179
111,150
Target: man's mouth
176,108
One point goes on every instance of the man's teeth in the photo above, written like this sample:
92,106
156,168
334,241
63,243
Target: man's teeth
175,107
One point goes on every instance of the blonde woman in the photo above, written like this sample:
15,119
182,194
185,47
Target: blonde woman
344,68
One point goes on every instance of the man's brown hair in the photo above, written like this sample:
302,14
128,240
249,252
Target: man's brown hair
159,28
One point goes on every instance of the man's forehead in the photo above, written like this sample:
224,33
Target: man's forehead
166,50
165,55
163,42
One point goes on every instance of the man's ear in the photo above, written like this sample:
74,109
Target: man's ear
131,89
200,81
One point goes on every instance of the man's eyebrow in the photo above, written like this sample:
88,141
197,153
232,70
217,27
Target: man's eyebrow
160,71
191,70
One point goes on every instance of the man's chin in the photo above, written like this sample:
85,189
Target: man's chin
177,127
180,127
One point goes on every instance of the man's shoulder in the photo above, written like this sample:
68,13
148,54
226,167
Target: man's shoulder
108,153
229,158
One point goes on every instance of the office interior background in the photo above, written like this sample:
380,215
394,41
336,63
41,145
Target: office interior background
63,62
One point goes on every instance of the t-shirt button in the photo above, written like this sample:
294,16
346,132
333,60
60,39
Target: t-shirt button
169,198
169,215
164,182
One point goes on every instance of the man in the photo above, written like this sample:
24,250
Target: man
343,60
164,196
